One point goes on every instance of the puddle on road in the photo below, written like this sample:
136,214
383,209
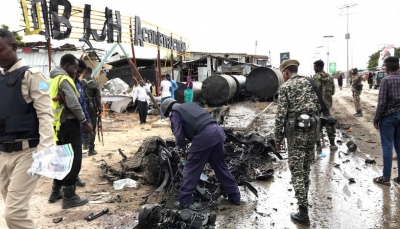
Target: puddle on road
334,201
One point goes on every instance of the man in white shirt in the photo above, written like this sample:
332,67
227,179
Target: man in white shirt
166,89
148,84
140,98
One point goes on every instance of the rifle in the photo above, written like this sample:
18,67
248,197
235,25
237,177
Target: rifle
327,117
100,130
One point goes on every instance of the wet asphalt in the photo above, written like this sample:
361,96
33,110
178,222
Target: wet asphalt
335,201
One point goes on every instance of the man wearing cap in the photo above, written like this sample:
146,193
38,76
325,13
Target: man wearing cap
297,105
356,88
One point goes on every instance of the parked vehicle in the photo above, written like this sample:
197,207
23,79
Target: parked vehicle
378,78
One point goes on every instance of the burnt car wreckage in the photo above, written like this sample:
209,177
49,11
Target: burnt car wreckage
160,163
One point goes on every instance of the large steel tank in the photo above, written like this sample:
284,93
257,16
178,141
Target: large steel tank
218,89
240,84
264,82
179,93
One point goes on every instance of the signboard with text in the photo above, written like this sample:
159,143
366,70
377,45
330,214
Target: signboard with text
284,56
332,67
59,20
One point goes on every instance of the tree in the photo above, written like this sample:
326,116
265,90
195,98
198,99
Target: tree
18,37
373,59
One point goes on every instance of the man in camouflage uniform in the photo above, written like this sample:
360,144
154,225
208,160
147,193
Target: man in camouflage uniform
356,88
297,98
326,86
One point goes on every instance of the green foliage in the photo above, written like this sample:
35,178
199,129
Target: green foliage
373,60
18,37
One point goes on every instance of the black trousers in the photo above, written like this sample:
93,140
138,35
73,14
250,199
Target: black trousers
70,133
90,138
142,111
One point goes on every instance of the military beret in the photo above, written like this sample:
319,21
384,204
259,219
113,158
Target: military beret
288,63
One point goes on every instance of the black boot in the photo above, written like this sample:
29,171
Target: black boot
55,193
80,183
333,145
301,216
92,151
70,199
358,114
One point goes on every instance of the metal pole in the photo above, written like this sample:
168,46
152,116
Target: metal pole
347,37
104,60
327,59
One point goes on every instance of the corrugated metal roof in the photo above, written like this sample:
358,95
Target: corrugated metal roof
40,59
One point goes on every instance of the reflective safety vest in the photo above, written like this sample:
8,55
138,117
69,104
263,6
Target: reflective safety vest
58,106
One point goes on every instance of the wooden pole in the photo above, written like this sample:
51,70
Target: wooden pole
172,60
49,51
90,61
132,46
159,64
182,76
137,73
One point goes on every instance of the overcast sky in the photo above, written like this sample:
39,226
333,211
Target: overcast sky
295,26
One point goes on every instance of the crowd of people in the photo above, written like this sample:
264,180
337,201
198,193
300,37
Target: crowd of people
64,110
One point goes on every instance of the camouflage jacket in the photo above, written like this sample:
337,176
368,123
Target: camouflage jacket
356,80
326,86
296,97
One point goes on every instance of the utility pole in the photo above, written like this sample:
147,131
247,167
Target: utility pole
327,54
347,37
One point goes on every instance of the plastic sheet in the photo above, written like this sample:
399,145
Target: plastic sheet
116,86
54,162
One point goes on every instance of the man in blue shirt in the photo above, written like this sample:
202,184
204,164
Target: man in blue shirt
81,100
174,85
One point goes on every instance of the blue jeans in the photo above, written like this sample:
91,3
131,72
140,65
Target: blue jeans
162,100
389,128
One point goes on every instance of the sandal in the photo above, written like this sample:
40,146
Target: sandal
382,180
397,180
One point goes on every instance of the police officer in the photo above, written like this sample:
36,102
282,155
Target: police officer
24,109
93,104
356,88
297,103
326,86
192,122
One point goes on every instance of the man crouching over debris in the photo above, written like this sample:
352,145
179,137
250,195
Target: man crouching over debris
192,122
297,106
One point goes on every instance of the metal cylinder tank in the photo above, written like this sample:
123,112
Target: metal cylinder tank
179,93
240,84
218,89
264,82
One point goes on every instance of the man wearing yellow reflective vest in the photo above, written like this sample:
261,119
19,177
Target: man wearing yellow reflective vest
68,116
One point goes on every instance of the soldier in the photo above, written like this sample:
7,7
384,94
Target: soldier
326,86
297,105
92,94
356,89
